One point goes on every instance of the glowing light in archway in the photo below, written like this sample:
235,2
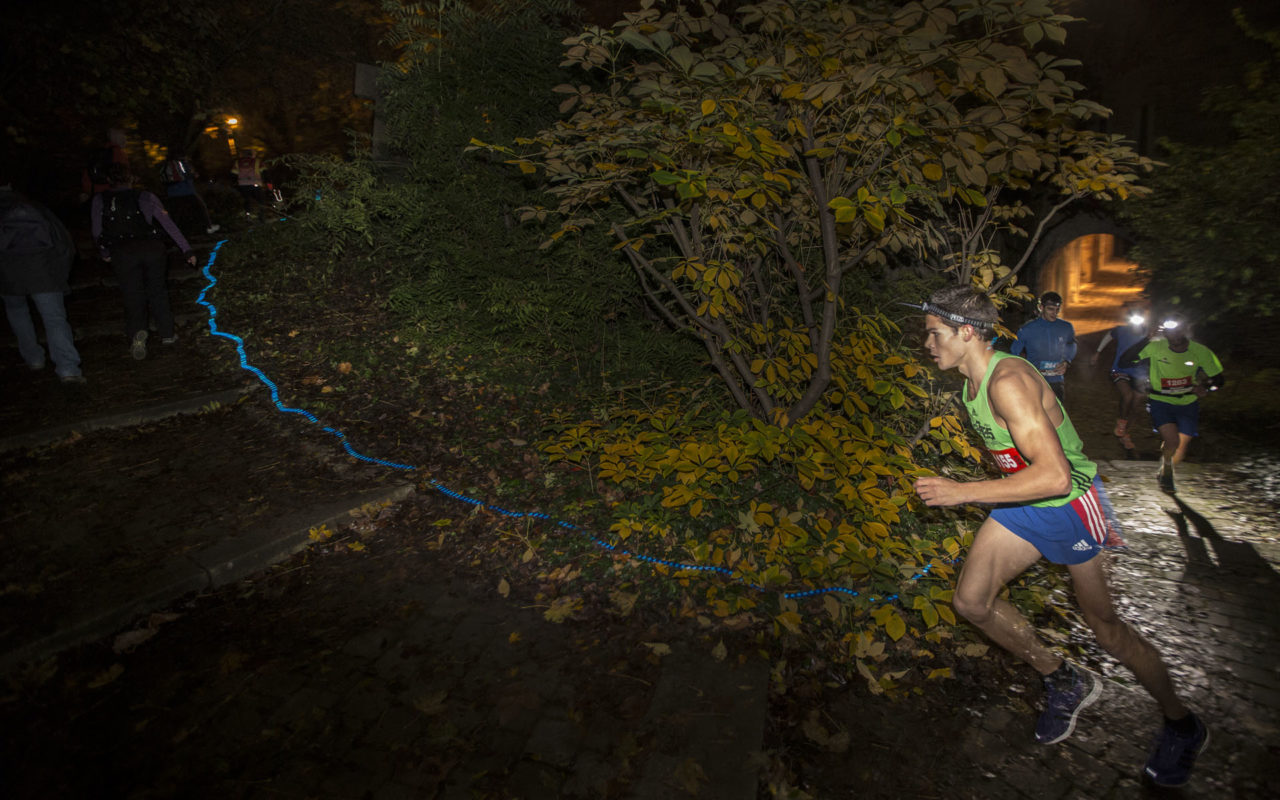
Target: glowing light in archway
1094,278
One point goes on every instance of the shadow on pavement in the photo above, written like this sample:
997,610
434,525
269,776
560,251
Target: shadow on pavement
1232,561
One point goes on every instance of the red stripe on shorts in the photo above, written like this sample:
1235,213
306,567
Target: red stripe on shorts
1091,513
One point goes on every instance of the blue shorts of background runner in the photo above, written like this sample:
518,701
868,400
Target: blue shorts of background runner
1070,534
1187,417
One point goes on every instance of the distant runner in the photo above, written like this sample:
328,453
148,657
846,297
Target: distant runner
1131,382
1049,343
1049,504
1181,372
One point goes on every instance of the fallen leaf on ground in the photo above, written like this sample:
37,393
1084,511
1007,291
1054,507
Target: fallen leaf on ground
127,641
563,608
691,776
623,602
432,703
231,661
106,676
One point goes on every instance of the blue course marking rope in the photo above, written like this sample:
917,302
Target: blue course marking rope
442,489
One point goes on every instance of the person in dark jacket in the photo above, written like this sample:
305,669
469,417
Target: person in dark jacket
1049,343
123,221
36,252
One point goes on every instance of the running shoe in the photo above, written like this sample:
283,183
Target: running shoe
1175,754
138,348
1127,442
170,339
1064,704
1164,478
1122,427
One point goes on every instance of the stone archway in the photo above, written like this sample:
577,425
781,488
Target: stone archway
1083,259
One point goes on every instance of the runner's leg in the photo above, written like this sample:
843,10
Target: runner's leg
997,556
1119,639
1181,451
1169,441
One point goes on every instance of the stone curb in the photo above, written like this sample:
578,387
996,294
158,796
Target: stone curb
214,566
123,419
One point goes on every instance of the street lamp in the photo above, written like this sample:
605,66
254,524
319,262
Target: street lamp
231,123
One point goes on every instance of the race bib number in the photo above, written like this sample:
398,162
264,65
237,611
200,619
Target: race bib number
1009,461
1177,385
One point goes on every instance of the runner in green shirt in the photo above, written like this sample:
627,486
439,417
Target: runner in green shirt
1048,504
1182,371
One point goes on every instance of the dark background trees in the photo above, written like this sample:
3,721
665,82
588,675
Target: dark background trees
165,70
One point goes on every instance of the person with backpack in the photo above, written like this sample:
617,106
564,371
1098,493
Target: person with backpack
123,221
248,172
180,189
36,252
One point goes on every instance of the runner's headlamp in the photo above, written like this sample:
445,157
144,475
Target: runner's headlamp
1137,319
1170,324
959,319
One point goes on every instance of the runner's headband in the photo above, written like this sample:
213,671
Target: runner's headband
937,311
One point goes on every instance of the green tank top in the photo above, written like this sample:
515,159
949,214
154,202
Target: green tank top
1000,443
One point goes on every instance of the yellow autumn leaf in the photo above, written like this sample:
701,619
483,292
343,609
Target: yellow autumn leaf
895,626
504,588
106,676
623,602
658,648
789,620
562,608
708,106
932,171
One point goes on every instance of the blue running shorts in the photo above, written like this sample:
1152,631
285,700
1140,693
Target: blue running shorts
1068,534
1187,417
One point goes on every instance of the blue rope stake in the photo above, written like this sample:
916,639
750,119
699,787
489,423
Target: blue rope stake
532,515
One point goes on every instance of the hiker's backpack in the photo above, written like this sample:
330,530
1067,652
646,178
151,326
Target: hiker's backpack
175,171
123,220
23,230
33,242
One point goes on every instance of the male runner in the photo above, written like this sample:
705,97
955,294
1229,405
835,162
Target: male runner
1175,365
1130,382
1049,343
1047,504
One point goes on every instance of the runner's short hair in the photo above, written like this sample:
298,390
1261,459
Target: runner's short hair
1051,297
970,303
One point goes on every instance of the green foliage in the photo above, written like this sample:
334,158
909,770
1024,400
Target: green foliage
764,155
436,226
1208,234
464,69
827,501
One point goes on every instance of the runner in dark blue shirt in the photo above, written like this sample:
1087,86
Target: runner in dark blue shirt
1049,343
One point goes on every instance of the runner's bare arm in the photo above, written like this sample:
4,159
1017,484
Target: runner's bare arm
1016,398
